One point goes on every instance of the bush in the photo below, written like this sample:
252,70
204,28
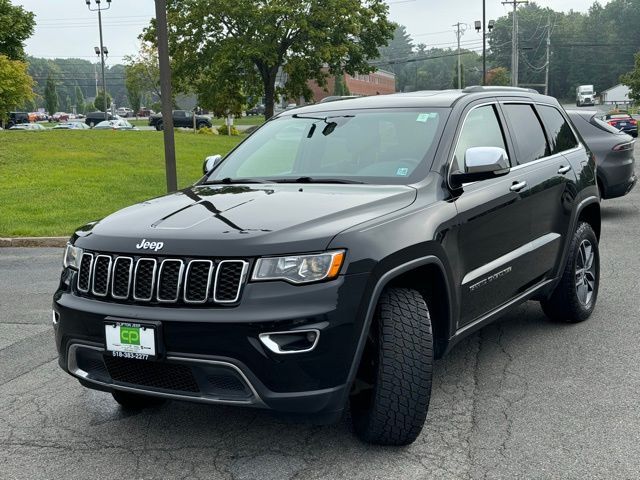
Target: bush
223,130
208,131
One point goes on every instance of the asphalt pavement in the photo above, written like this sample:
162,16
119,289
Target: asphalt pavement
523,398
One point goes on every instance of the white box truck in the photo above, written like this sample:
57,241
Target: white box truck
585,96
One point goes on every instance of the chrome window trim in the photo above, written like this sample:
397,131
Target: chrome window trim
243,278
457,137
113,277
153,278
186,282
90,273
177,297
93,276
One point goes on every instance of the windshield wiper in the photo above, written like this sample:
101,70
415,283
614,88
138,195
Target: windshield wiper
316,180
231,181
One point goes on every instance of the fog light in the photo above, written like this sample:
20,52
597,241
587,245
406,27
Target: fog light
294,341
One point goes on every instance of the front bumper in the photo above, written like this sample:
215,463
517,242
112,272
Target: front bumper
214,355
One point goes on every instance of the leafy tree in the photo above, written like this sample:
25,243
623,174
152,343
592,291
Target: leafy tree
142,72
16,25
498,76
16,86
229,50
99,101
340,87
632,80
79,99
89,107
51,96
399,49
135,98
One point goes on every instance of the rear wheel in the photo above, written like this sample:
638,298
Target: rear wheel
136,401
390,397
92,123
575,297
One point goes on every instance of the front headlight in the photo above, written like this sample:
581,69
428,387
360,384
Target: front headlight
72,257
300,268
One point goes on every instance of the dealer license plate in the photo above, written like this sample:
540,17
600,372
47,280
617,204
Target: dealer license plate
130,340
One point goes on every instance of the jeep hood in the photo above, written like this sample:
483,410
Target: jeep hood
244,220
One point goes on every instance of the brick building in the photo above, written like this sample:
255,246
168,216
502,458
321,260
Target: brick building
376,83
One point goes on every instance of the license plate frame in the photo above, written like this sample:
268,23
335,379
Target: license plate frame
132,339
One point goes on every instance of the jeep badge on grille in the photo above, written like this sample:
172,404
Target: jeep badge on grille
147,245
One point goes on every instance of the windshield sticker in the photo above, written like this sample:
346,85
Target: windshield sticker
402,172
423,117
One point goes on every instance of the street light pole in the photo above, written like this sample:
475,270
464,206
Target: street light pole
484,42
99,9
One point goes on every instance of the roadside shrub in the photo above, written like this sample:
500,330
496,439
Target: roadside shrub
222,130
208,131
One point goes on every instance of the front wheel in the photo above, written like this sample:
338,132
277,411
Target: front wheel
159,126
574,299
390,397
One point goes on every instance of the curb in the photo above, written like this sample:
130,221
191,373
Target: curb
55,242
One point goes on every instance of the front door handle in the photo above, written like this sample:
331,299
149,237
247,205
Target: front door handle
562,170
517,186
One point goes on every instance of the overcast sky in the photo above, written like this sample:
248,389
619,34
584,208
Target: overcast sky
65,28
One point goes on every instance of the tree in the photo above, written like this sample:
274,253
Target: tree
498,76
99,101
79,99
51,96
16,25
399,49
142,72
632,80
16,85
340,87
230,50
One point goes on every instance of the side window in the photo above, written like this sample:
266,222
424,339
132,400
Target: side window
562,138
481,129
526,132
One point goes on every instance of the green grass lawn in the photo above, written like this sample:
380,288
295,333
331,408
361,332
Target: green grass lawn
53,182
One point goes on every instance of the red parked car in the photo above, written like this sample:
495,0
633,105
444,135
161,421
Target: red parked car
623,122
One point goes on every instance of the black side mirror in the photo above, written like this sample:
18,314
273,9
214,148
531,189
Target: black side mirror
482,163
210,163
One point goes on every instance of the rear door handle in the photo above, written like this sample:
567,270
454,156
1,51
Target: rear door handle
563,170
517,186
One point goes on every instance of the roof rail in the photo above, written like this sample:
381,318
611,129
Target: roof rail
480,88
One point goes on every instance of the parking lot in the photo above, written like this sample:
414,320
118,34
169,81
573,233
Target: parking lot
523,398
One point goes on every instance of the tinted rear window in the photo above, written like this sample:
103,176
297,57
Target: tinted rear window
526,132
562,138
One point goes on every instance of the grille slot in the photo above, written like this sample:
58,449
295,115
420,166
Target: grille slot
84,275
198,281
229,280
169,278
145,276
121,281
165,376
101,275
161,280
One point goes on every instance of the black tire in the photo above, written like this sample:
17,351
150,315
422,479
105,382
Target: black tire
136,401
91,123
159,126
568,303
390,398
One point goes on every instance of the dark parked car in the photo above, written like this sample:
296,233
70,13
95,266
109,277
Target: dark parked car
94,118
613,150
257,110
330,257
623,122
17,118
181,118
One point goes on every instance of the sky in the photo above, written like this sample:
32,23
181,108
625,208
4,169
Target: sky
66,28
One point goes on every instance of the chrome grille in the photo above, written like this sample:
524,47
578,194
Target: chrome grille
198,281
161,280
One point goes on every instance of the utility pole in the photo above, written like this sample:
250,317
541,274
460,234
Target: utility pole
460,28
546,74
514,40
484,42
165,90
103,50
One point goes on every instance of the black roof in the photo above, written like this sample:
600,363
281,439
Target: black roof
426,98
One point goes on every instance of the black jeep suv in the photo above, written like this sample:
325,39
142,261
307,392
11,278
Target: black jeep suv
330,257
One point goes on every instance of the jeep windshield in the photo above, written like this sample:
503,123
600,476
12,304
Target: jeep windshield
381,146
